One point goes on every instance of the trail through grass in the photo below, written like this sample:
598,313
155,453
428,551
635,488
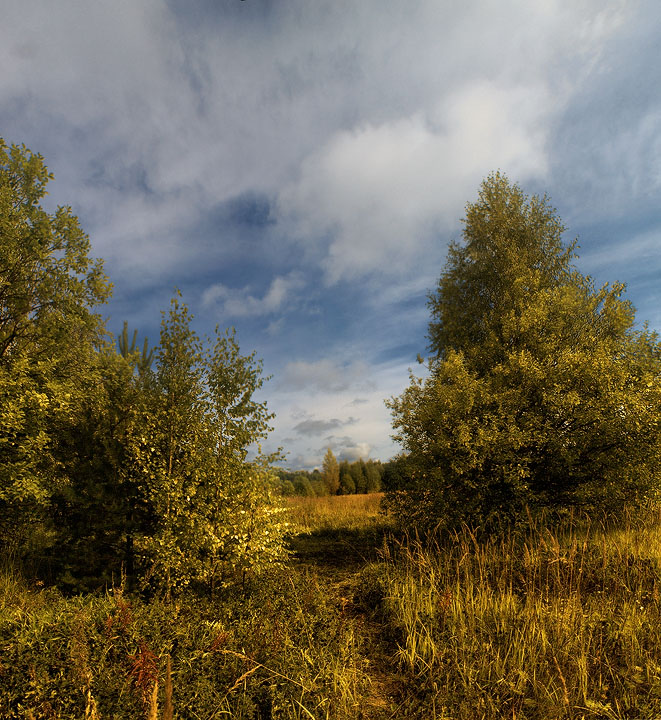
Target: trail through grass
336,538
557,621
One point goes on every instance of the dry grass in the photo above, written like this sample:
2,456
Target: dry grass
556,623
337,512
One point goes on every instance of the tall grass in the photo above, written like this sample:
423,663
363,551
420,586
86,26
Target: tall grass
283,650
557,621
337,513
550,623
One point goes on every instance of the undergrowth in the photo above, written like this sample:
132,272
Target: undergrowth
281,650
557,621
550,623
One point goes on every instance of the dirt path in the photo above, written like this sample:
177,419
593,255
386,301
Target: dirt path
338,561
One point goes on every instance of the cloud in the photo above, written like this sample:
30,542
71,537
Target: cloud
374,197
324,375
347,448
319,427
238,302
371,134
202,142
382,192
354,429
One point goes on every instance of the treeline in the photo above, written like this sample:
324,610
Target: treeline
352,478
118,460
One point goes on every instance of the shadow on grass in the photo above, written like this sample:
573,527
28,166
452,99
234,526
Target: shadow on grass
340,547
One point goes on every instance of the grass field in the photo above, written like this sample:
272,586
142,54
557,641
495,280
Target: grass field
337,513
560,622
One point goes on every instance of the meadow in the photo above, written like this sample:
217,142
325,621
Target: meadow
552,621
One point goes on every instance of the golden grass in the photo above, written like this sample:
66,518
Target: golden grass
553,622
556,623
337,512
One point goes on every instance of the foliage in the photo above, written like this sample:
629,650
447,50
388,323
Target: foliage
539,389
282,650
214,513
107,465
48,281
558,621
347,483
49,287
331,472
357,477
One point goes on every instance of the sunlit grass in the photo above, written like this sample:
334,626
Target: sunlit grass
549,624
337,512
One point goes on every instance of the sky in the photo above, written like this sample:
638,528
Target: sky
297,168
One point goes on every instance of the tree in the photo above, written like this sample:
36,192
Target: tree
171,455
373,474
100,510
359,471
303,486
540,392
347,483
48,282
244,522
396,475
331,472
49,332
215,512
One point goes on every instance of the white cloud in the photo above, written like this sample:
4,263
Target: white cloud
379,192
376,129
346,450
354,429
371,123
240,303
382,192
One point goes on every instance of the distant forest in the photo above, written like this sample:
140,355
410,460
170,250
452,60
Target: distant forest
358,477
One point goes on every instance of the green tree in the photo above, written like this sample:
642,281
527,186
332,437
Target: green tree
215,512
173,452
49,288
48,282
358,473
99,511
303,486
347,483
331,472
539,390
244,522
373,475
396,475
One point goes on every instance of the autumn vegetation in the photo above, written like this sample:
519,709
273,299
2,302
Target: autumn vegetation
154,564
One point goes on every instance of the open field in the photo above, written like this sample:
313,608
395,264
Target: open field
560,622
337,512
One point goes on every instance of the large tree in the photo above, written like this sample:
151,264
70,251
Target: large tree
540,391
49,334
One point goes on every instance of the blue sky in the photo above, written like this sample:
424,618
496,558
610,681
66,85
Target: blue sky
298,168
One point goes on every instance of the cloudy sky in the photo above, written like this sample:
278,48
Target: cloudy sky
298,167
